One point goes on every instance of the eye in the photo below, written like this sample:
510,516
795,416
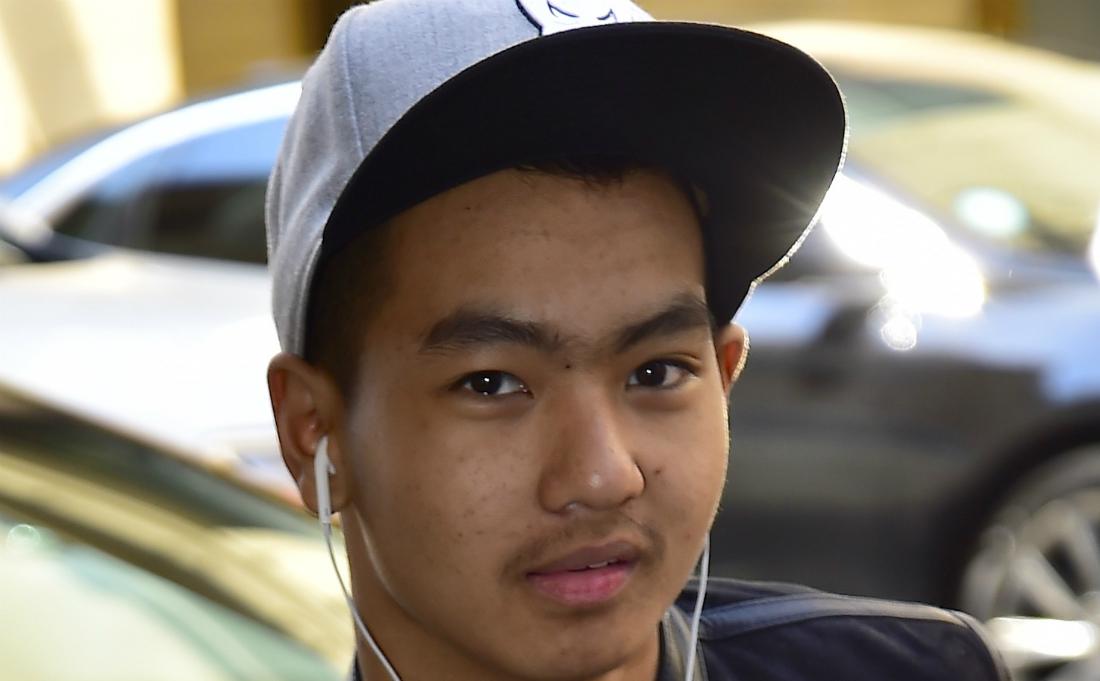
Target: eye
492,384
660,374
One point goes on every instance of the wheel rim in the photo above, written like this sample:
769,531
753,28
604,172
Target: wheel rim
1036,583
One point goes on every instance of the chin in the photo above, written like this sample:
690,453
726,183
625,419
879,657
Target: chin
571,666
585,650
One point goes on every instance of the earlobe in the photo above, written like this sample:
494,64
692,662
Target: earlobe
732,346
307,407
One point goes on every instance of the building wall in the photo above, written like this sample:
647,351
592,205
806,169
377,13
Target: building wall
1070,26
224,43
69,66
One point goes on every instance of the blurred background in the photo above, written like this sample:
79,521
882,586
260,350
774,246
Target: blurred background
919,419
71,66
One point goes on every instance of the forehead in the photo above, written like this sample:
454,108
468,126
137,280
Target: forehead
546,248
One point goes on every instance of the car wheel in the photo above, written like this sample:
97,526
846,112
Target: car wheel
1035,576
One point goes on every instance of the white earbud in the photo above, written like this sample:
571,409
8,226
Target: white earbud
322,468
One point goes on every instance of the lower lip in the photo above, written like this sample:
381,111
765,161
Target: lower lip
583,587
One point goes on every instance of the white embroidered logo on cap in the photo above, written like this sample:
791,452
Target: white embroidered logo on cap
554,16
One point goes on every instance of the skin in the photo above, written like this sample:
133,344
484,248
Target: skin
538,381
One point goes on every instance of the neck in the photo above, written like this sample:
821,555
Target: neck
369,668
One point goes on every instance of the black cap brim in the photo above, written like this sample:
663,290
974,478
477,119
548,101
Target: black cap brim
756,124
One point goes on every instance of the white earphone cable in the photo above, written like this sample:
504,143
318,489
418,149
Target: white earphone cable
697,615
327,531
321,470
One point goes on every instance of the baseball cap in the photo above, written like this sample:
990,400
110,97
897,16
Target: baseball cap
410,98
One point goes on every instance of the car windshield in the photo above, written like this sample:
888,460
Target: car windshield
958,150
61,595
105,539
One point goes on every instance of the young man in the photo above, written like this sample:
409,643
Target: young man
507,238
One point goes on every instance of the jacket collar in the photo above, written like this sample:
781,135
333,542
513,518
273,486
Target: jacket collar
675,636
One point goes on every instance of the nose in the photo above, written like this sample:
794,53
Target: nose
590,461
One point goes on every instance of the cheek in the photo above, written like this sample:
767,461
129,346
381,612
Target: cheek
441,488
685,458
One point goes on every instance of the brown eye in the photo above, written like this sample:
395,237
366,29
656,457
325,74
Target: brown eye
661,374
651,375
492,383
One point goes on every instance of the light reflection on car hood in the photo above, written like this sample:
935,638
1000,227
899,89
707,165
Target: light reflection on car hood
173,348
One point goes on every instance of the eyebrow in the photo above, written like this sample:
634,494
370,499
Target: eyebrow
685,313
469,328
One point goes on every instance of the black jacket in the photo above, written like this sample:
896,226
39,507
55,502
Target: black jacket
753,631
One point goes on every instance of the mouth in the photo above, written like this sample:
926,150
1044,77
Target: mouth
587,577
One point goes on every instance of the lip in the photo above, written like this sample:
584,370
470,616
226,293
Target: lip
616,551
588,576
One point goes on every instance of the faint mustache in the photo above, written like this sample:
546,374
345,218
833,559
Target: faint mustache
586,532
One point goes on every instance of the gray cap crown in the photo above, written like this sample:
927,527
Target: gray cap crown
380,60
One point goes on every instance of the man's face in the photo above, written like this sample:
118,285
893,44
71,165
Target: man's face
538,439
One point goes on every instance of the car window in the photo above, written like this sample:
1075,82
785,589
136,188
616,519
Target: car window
874,102
203,197
74,612
1019,174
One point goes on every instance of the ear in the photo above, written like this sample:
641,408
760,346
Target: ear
732,345
308,406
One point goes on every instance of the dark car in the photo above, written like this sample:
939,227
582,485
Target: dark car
920,413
